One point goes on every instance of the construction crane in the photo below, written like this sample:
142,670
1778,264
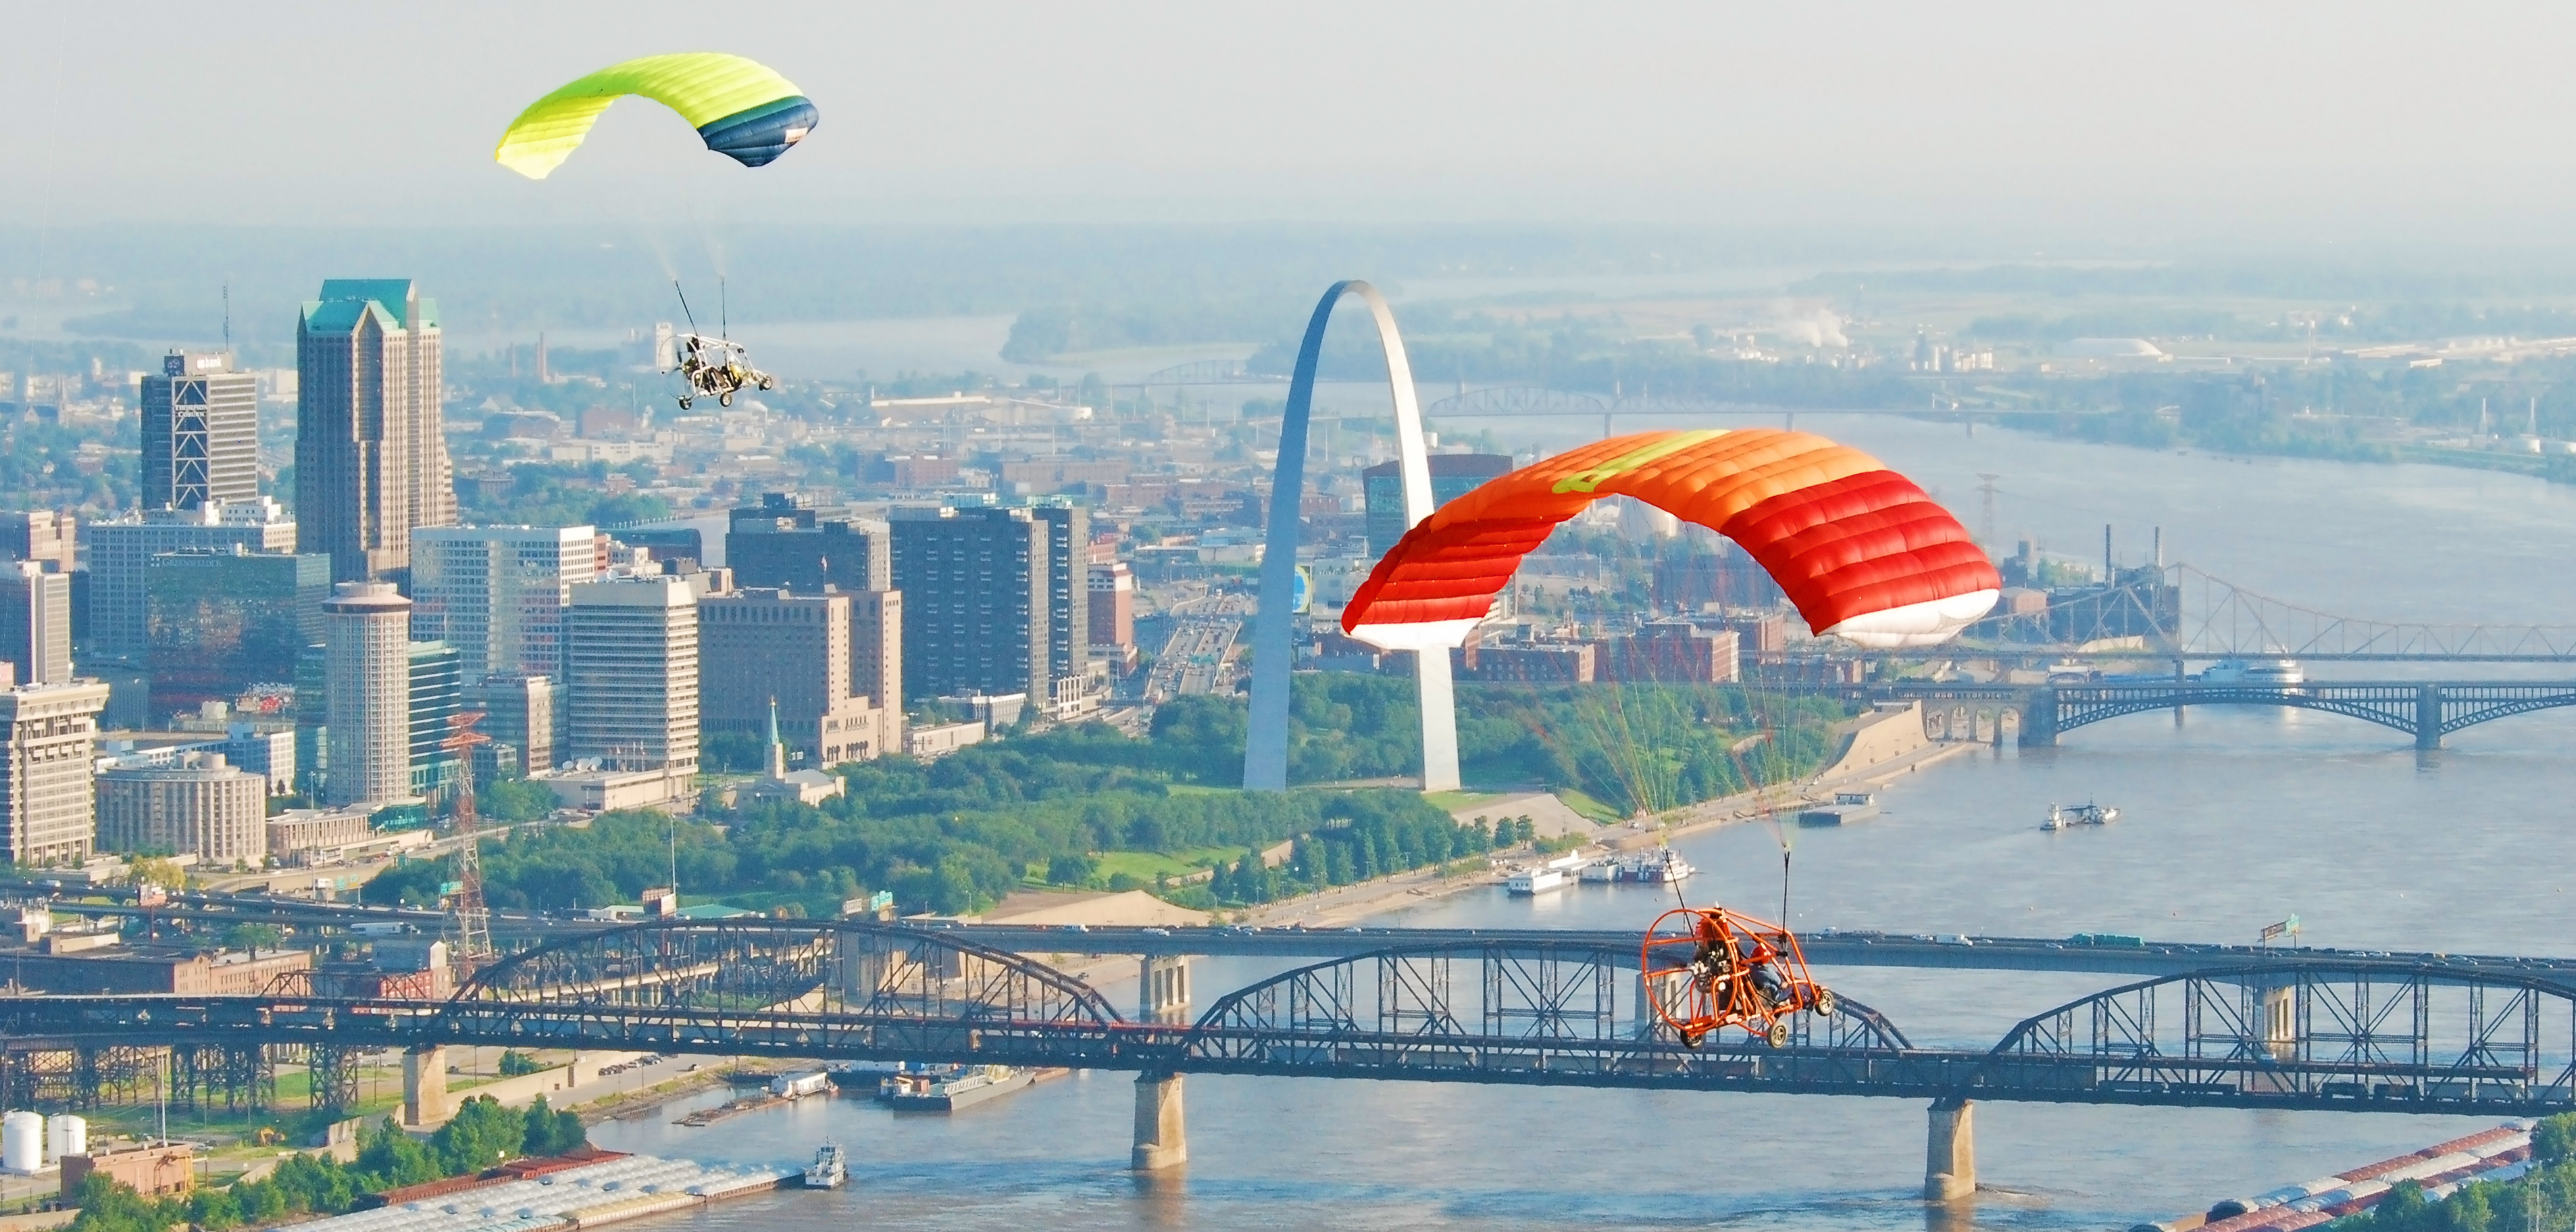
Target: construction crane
470,922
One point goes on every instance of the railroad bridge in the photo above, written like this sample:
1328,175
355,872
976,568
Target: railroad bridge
2324,1034
2426,710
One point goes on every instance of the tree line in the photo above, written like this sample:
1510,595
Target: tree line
482,1135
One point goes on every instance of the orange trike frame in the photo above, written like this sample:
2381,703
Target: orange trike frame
1697,971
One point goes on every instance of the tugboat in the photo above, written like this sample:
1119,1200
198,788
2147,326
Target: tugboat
829,1169
2069,816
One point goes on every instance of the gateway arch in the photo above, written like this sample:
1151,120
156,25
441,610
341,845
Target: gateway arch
1265,753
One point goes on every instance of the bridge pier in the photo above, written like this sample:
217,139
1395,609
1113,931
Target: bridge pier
1162,986
2039,719
1160,1141
1950,1154
2428,717
425,1087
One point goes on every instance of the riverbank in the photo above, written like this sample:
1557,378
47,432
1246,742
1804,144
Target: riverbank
1342,906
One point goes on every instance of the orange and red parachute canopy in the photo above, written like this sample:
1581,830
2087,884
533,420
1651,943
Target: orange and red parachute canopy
1861,551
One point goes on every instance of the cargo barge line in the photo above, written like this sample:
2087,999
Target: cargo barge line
568,1200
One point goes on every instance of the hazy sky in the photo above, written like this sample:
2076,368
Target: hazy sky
2154,121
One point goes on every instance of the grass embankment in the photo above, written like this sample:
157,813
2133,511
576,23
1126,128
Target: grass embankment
1089,807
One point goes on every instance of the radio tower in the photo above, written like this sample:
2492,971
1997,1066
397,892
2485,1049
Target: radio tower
472,921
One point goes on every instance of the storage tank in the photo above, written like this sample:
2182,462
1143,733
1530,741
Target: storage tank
65,1134
22,1143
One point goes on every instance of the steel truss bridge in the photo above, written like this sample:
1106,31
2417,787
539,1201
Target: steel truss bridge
2426,710
2181,612
1509,401
2342,1034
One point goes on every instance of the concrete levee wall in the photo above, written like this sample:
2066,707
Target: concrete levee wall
1879,737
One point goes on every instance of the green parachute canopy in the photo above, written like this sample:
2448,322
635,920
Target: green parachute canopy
744,111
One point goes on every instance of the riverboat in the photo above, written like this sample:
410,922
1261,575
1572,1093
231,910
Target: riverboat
2256,673
2069,816
831,1166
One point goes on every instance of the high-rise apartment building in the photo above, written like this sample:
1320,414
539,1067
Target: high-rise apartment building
36,622
200,805
220,622
50,539
497,594
368,682
781,542
200,431
876,654
631,668
47,808
437,696
1113,606
1068,598
996,601
769,656
975,607
370,463
120,560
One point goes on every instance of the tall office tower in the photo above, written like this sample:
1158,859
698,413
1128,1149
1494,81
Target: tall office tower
200,805
779,542
36,622
975,602
1068,599
437,696
367,629
222,621
631,662
497,594
200,432
46,802
120,560
775,655
1452,475
370,463
524,712
50,539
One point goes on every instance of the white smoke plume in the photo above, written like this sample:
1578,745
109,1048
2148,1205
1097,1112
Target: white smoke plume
1819,327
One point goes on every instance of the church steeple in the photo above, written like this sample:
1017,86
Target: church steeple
777,747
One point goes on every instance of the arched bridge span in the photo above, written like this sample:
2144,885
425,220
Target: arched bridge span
2346,1035
858,967
1572,1013
2426,710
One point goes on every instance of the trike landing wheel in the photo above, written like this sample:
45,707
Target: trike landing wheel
1778,1035
1827,1004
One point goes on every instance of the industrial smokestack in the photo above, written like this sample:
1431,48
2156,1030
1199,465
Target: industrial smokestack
2160,547
2109,570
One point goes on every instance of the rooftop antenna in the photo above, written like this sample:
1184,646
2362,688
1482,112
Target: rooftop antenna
228,323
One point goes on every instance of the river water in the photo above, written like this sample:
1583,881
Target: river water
2233,819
